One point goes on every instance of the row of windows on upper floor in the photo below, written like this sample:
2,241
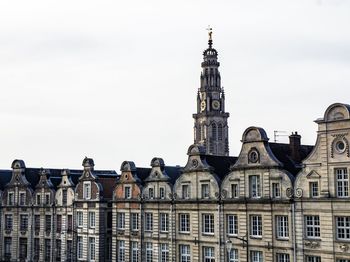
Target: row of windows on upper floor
255,188
312,228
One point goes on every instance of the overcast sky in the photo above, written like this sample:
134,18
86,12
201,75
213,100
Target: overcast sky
117,80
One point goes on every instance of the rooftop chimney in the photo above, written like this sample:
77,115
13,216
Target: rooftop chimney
294,145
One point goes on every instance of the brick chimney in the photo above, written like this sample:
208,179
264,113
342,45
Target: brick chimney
294,145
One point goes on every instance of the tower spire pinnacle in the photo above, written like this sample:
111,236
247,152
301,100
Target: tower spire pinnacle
210,33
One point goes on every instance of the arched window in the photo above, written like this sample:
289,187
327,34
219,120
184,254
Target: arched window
220,130
202,132
213,131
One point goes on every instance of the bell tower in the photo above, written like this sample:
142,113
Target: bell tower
210,121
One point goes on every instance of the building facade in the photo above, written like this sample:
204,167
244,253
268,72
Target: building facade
274,202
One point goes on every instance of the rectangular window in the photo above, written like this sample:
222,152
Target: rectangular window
256,256
108,248
8,247
208,223
282,228
184,220
313,259
70,223
10,199
8,222
164,222
234,191
343,228
121,220
127,192
87,190
23,248
343,260
47,250
92,219
134,251
38,199
64,197
58,223
23,222
342,182
121,251
256,226
48,223
276,190
37,222
58,250
80,247
312,224
162,193
205,190
92,249
281,257
233,255
254,186
164,252
80,219
69,250
149,252
232,224
47,199
208,254
36,249
185,253
313,189
150,193
148,221
134,225
22,198
186,194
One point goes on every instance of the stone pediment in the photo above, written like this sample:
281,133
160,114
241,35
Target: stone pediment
313,174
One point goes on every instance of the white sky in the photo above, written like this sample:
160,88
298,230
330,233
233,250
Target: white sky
117,80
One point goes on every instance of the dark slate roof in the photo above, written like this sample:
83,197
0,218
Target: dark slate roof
5,177
33,177
283,154
221,164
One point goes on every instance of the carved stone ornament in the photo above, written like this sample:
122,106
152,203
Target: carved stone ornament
194,163
289,192
344,247
174,195
312,244
217,195
223,193
298,193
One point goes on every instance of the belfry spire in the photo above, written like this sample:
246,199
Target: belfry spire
210,127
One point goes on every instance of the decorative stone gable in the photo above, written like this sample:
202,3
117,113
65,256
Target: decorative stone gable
157,172
88,187
256,151
18,174
196,161
128,186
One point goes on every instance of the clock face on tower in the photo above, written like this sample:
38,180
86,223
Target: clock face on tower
216,105
203,105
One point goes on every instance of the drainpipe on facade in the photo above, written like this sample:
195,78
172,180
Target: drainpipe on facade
294,231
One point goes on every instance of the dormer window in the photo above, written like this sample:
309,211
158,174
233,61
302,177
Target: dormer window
87,190
234,191
276,190
10,199
254,186
64,197
313,189
186,194
22,198
151,193
205,190
47,199
38,199
127,192
162,193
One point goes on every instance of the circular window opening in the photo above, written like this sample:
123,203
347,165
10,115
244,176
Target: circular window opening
253,157
340,146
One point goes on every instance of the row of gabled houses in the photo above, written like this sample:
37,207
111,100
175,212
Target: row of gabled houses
274,202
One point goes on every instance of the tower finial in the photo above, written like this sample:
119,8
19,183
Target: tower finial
210,32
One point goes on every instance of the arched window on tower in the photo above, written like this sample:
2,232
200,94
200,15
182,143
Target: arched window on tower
220,130
213,131
202,132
